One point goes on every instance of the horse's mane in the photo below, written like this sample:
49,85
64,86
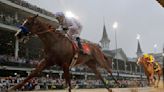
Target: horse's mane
63,35
53,29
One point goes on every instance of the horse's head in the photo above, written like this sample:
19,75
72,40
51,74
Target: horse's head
140,60
28,28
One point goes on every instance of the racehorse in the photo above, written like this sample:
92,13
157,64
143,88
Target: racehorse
58,50
150,71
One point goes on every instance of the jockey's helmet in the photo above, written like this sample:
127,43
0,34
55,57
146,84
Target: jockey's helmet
151,58
60,16
145,56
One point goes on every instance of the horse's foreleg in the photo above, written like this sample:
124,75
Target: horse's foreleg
67,77
98,75
148,79
152,79
34,73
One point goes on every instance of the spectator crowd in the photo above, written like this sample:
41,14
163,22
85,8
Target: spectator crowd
44,83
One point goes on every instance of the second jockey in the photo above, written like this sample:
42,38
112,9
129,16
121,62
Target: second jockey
151,60
71,27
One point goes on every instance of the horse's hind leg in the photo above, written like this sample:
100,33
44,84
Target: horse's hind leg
155,81
152,81
92,66
34,73
106,66
148,80
104,62
159,76
109,71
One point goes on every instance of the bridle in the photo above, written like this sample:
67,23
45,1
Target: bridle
24,29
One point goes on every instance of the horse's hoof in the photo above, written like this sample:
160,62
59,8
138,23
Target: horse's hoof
110,90
134,90
10,90
6,91
155,86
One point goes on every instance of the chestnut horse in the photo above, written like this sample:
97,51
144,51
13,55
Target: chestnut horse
161,2
150,71
58,50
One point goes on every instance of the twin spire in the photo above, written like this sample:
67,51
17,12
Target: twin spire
105,41
139,50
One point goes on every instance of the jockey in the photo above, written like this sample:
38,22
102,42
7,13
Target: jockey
149,58
71,26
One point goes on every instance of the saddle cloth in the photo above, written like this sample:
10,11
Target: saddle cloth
84,43
85,46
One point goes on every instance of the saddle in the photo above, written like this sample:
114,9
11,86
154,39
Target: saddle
84,43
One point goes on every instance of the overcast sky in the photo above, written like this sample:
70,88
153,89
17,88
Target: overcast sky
144,17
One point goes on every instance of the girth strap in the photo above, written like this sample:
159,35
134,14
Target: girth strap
74,60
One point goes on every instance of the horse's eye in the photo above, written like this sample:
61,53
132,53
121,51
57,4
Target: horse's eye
28,23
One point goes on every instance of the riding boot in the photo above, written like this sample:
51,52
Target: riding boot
79,44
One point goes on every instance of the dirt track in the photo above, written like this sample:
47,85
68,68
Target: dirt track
114,90
145,89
